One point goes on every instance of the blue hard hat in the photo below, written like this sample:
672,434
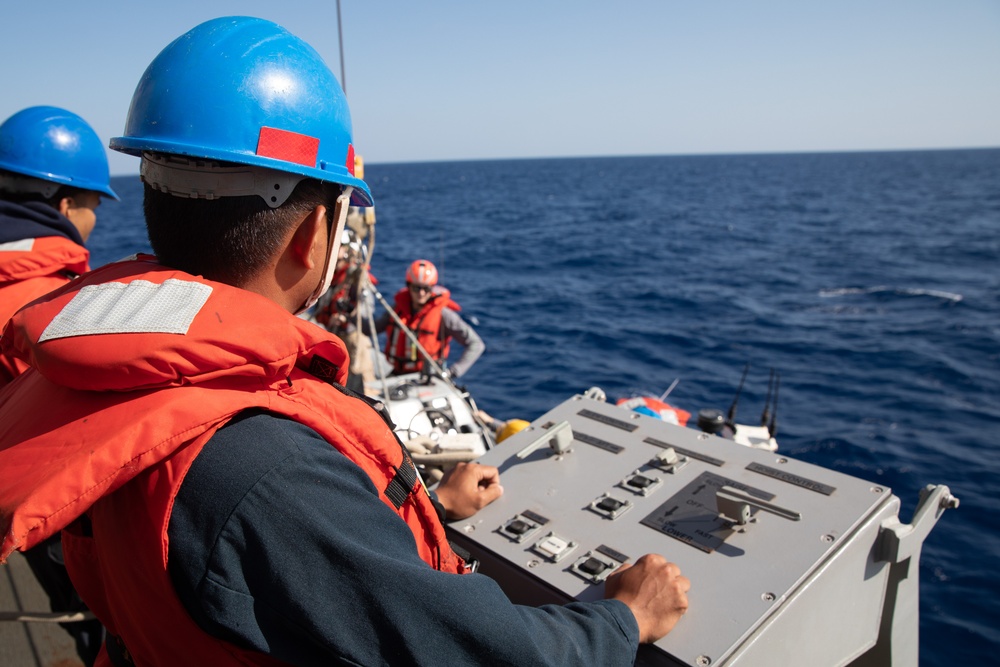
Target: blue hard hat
245,90
55,145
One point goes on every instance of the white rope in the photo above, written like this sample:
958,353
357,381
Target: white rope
46,616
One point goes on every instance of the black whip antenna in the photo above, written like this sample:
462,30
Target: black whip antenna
772,428
767,401
731,419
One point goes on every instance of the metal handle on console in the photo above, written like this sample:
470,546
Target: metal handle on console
735,505
558,437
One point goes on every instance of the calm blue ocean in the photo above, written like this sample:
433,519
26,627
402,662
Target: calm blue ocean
870,281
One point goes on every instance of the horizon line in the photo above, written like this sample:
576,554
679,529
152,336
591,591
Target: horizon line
654,155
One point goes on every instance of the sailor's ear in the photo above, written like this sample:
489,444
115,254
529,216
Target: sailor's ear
64,205
307,245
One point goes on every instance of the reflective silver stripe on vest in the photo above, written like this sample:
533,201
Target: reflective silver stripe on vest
136,307
24,245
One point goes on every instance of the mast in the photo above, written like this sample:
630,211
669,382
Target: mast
340,41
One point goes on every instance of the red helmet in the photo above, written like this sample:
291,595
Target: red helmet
422,272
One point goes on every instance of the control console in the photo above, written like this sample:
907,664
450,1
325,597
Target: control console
788,560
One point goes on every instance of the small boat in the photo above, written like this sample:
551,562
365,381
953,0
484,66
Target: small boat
437,420
711,420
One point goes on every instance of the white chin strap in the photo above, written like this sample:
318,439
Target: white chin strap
332,248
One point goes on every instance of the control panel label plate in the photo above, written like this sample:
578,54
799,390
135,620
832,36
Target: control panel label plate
784,476
610,421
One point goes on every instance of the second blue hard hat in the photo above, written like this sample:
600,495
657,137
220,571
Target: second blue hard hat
56,145
245,90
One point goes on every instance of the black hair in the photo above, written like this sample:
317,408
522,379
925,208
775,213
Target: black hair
229,239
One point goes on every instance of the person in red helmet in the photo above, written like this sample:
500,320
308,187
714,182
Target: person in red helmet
428,311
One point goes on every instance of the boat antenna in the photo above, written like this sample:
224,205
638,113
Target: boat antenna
340,41
772,428
731,418
767,401
673,384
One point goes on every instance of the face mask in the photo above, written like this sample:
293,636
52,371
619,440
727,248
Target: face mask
333,248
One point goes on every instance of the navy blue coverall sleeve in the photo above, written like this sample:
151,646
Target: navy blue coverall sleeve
279,543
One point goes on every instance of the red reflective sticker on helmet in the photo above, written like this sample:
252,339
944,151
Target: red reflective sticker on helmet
350,159
288,146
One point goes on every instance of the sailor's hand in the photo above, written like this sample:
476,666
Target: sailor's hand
468,488
655,591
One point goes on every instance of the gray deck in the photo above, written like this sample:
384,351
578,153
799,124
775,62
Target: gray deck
30,644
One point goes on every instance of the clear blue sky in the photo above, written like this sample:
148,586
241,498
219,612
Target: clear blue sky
460,79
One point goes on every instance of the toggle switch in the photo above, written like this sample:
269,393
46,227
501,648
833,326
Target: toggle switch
521,527
669,460
595,566
641,484
609,506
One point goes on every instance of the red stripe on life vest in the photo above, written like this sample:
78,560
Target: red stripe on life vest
288,146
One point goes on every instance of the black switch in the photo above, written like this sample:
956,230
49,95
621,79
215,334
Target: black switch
593,567
610,505
518,527
639,482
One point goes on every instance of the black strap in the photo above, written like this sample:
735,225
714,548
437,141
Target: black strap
401,485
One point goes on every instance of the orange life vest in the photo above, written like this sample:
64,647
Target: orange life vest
30,268
425,324
654,407
111,420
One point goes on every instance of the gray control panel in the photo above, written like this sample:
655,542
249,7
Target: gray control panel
782,555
